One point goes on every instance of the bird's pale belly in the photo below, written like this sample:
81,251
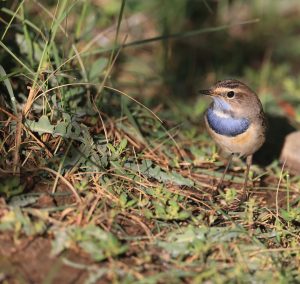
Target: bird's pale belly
244,144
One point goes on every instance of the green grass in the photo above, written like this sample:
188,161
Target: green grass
105,160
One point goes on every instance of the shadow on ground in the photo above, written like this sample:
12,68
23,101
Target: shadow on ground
278,128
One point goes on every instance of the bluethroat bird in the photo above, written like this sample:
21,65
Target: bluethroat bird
236,122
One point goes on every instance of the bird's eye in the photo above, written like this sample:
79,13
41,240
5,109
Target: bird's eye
230,94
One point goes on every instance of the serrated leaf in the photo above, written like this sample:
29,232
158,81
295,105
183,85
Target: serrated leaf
60,129
93,240
61,241
154,171
122,145
111,147
42,126
73,130
22,200
179,179
182,243
11,186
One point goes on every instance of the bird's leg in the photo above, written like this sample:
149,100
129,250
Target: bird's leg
224,173
245,191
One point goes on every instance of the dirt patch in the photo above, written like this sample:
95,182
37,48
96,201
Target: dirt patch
29,261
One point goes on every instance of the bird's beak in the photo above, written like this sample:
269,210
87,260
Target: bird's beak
205,92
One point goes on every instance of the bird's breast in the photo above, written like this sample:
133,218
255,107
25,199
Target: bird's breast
235,135
225,124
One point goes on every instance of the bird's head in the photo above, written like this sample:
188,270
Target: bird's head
233,96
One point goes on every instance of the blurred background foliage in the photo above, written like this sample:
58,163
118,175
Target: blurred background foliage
165,51
255,40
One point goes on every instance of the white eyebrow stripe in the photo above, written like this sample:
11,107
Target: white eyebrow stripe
226,90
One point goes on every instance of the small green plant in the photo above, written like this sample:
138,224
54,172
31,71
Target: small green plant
11,186
99,244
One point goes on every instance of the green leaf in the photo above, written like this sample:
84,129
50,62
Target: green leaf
11,186
61,241
97,69
9,89
122,145
183,242
292,215
42,126
22,200
61,129
22,222
147,168
98,243
123,199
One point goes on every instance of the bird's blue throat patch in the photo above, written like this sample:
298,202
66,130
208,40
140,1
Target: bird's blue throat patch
227,126
220,104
